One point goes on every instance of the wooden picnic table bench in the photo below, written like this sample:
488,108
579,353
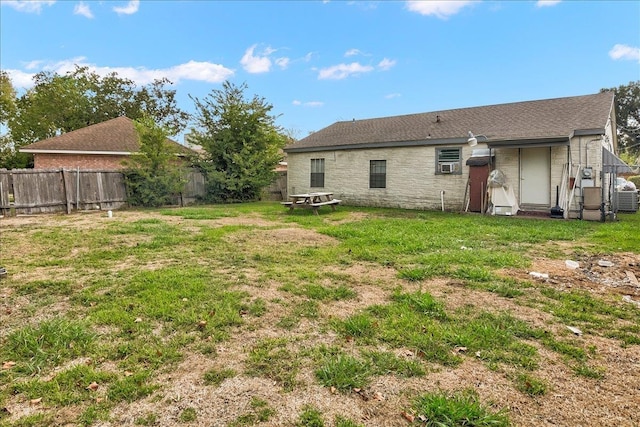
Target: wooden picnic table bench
311,201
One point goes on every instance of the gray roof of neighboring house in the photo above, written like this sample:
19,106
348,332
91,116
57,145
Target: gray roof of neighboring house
518,121
115,136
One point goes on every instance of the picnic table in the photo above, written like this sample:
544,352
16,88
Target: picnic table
311,201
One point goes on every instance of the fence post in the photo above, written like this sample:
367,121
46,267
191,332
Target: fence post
68,195
78,188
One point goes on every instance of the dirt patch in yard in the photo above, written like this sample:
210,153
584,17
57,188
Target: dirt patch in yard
601,274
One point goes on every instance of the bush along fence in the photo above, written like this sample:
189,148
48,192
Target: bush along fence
33,191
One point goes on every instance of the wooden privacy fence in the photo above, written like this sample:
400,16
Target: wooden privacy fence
31,191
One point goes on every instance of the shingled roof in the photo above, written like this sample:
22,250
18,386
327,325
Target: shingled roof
519,121
115,136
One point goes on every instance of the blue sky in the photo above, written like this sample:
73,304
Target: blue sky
318,62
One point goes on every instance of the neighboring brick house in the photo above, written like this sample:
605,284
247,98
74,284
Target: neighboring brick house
101,146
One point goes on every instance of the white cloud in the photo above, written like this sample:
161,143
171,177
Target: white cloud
353,52
131,8
392,95
32,65
192,70
546,3
622,51
200,71
308,103
256,63
342,71
440,9
20,79
386,64
283,62
27,6
83,9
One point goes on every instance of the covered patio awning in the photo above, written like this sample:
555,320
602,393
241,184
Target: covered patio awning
529,143
613,164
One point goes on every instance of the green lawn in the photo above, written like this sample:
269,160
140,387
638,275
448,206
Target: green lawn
106,319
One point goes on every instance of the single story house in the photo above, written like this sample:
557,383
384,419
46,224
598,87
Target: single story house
538,153
101,146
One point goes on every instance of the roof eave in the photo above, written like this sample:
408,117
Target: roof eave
43,151
382,144
529,142
588,132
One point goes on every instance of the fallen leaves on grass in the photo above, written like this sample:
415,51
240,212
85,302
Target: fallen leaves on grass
8,365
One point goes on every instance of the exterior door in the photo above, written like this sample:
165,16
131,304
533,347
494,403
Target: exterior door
535,180
478,176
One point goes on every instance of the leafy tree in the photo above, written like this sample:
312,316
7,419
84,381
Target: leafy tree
153,175
58,104
242,143
627,98
7,98
9,157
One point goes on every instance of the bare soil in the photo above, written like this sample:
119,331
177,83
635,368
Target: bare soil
570,400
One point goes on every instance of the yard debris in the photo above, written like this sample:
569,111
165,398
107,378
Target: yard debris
605,263
363,394
458,350
407,416
35,401
138,320
93,386
378,396
576,331
627,298
539,275
572,265
632,278
8,365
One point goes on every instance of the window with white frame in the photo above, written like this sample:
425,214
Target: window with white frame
448,161
317,172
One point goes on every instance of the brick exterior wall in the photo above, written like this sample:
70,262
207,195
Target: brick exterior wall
74,161
412,181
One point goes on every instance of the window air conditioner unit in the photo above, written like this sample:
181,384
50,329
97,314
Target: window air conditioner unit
447,167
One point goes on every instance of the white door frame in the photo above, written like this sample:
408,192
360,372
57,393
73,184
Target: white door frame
535,176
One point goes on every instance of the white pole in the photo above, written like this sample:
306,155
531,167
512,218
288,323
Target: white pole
78,189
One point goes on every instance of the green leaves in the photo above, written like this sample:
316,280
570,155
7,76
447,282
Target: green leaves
153,177
242,144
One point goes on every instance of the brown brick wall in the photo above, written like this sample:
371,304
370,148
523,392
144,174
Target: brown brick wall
74,161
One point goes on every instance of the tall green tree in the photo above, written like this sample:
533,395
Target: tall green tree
62,103
241,141
153,176
9,157
627,99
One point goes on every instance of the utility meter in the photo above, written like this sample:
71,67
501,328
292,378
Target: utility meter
587,173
